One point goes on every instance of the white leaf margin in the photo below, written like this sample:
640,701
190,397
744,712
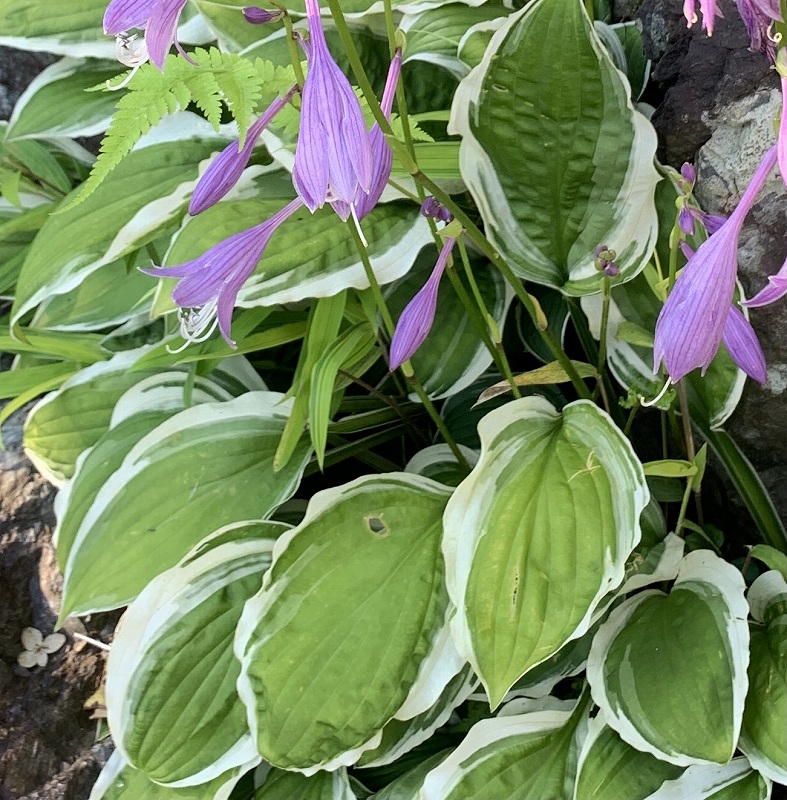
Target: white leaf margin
441,781
464,517
166,600
769,587
698,567
503,230
704,781
269,406
444,662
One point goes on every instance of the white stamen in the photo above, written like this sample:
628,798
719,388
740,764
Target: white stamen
130,55
197,324
92,641
357,223
648,403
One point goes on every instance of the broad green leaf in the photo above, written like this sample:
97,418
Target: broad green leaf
401,736
68,421
147,404
349,630
120,781
110,296
38,160
733,781
453,354
538,534
555,311
771,557
16,381
530,755
172,489
610,769
406,786
172,659
690,713
434,36
765,714
310,255
670,468
281,785
143,195
56,103
557,166
438,463
17,229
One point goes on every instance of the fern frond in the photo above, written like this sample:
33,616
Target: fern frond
214,79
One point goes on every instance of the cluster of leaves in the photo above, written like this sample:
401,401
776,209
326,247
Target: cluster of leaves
321,601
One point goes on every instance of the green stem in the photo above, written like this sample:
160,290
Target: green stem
472,231
684,504
479,315
674,244
630,420
602,342
295,56
407,368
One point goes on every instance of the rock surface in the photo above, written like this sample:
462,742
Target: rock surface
17,69
718,109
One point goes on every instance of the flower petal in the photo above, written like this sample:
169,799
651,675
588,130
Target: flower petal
775,290
28,659
53,642
31,638
121,15
744,347
161,30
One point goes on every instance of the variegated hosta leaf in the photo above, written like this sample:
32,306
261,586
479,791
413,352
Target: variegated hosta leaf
66,422
763,736
557,165
206,467
310,255
145,193
281,785
538,534
530,755
438,463
669,671
349,630
452,355
401,736
406,786
712,397
733,781
172,705
434,35
610,769
56,103
120,781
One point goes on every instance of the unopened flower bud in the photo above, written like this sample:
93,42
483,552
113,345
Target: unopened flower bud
432,207
259,16
610,269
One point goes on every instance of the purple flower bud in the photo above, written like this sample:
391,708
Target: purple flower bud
692,321
432,207
610,269
686,220
225,170
259,16
159,18
210,284
416,319
689,173
744,347
333,157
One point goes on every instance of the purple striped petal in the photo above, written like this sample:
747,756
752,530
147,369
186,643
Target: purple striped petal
225,170
121,15
416,319
775,290
782,140
691,323
161,30
686,220
744,347
209,285
333,157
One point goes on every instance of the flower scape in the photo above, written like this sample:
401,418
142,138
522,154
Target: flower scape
384,367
